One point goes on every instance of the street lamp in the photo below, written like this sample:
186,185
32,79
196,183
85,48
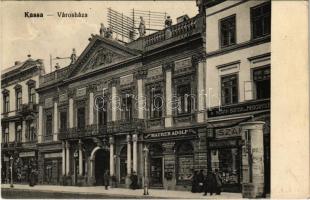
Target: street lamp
75,155
11,160
146,152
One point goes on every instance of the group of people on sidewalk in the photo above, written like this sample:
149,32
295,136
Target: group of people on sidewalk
209,183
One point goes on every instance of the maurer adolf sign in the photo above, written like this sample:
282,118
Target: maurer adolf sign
172,133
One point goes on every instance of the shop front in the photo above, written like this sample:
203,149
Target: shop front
173,157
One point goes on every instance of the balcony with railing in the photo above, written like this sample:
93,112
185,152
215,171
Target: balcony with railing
126,125
171,34
87,131
28,108
54,76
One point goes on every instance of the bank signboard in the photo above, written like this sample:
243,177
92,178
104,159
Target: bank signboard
171,134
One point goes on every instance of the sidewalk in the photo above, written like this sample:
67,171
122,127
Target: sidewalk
153,193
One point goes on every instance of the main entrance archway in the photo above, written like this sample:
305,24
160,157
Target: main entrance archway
101,164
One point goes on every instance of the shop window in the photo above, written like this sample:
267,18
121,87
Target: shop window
127,107
185,163
261,78
48,125
32,95
18,132
261,20
156,103
63,120
228,31
18,99
6,103
81,118
102,112
229,89
184,103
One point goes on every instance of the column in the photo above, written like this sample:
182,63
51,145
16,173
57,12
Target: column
234,153
141,74
168,70
253,160
40,123
112,165
55,135
128,155
71,118
114,103
63,158
135,152
91,107
67,158
80,157
200,87
24,126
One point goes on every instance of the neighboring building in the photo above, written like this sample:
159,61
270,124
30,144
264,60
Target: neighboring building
91,116
237,82
18,121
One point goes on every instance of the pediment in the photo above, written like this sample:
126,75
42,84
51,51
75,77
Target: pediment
101,53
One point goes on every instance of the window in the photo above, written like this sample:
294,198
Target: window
228,31
156,103
5,131
184,99
81,118
102,111
32,95
63,120
18,99
48,125
6,103
127,107
261,78
229,89
261,20
18,132
31,134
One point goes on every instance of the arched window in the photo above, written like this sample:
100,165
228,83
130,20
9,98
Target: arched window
185,162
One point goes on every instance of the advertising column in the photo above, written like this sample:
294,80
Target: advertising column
252,160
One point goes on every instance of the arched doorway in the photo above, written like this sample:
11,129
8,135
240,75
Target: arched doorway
102,163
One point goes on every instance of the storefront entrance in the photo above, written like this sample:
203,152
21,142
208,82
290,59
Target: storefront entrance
156,166
102,160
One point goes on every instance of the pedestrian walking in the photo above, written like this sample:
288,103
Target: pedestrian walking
200,179
218,180
32,178
106,177
210,183
195,182
134,181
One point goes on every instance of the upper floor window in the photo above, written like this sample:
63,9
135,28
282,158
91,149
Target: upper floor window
261,78
228,31
63,120
32,95
48,125
81,118
229,88
156,103
102,111
18,132
18,99
261,20
126,107
5,131
6,102
184,104
31,133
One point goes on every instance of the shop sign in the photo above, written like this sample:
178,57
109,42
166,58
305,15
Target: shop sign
240,108
27,154
222,143
53,155
173,133
228,132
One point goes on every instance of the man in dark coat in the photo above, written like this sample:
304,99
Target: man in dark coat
218,180
134,181
210,183
106,178
200,179
195,182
